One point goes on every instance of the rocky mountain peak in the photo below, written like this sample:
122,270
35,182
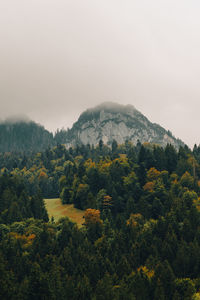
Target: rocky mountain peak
111,121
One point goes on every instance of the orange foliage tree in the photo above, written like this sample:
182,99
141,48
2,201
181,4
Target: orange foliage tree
92,216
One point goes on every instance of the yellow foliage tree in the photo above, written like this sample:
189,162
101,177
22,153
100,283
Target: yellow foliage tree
134,220
146,271
153,174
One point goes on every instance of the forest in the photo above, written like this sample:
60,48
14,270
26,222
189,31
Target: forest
140,238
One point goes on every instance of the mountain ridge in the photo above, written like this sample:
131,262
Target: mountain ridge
110,121
107,122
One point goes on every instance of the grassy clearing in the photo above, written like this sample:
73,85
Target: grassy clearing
56,209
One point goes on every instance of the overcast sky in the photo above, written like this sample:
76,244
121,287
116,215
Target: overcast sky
59,57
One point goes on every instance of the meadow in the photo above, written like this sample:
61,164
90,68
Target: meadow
57,210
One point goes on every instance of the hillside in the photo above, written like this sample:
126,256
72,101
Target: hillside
22,135
140,210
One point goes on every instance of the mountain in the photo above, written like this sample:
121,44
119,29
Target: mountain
18,134
110,121
107,122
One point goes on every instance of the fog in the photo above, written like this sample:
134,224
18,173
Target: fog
60,57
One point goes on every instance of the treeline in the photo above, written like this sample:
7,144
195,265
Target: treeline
141,236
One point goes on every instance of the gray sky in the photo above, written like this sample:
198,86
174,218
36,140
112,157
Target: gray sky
59,57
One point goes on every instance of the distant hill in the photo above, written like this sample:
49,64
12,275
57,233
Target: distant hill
23,135
110,121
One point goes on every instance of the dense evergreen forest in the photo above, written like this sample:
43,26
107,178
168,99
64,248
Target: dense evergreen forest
28,136
141,235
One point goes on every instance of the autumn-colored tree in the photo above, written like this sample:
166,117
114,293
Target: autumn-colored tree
187,180
92,216
93,223
135,220
153,174
149,186
107,203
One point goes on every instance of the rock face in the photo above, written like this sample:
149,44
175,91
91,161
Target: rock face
110,121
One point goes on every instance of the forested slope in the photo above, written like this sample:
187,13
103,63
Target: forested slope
24,136
141,238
